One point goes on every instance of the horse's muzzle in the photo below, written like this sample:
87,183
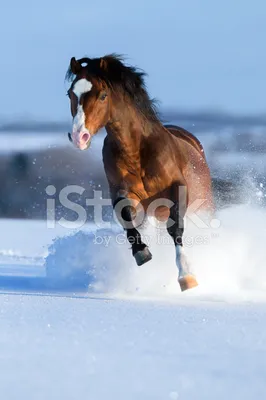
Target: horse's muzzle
70,137
81,139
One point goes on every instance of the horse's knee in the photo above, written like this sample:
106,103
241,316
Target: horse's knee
125,208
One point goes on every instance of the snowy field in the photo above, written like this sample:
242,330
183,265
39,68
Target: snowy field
80,319
124,332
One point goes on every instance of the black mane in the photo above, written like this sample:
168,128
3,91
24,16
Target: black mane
112,70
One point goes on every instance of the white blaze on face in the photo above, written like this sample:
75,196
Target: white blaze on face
82,86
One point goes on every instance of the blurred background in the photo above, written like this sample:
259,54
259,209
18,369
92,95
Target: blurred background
206,64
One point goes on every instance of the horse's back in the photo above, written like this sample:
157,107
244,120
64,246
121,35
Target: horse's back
186,136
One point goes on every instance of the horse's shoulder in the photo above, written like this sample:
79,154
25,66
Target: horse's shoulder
183,134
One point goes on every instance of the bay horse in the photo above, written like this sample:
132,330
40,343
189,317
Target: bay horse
143,160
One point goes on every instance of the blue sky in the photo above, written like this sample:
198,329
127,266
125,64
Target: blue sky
199,54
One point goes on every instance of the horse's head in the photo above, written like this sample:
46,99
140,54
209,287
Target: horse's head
104,90
89,100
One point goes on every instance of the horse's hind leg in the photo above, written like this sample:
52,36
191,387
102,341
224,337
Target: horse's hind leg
125,215
175,228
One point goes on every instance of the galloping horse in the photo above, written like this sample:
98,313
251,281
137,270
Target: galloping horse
143,160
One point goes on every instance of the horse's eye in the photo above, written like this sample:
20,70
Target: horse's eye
103,96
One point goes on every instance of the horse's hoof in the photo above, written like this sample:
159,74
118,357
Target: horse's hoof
143,256
187,282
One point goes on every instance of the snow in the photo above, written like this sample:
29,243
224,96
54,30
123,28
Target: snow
130,333
64,347
78,318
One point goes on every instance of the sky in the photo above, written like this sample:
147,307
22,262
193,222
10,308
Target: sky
199,54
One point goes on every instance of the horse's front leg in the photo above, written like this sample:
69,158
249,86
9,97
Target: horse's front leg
175,227
125,209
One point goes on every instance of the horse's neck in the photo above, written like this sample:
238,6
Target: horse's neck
127,129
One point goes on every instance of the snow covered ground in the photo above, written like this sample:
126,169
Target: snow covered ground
70,348
131,334
78,318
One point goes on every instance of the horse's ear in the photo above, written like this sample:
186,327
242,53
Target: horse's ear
75,66
103,64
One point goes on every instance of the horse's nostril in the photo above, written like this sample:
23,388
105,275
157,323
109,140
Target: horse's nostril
85,137
70,137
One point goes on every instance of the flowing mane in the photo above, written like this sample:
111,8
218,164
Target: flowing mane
126,79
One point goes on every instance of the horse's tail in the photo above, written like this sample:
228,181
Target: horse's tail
226,193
